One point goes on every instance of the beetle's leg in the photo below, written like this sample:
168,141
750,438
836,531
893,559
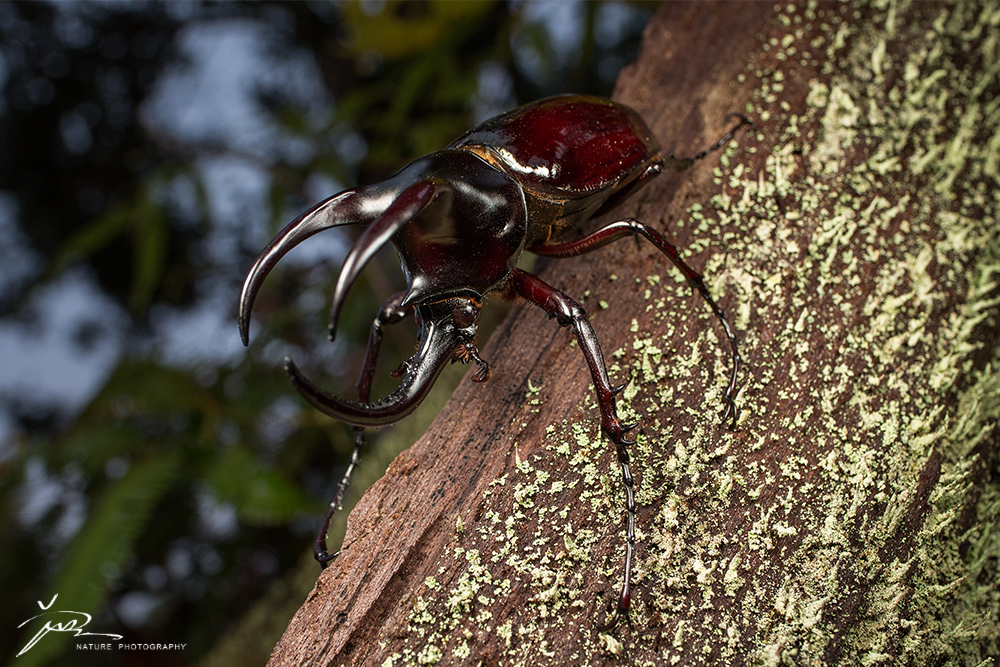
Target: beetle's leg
391,313
569,313
625,228
680,164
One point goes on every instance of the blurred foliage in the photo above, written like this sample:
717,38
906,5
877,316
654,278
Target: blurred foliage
184,496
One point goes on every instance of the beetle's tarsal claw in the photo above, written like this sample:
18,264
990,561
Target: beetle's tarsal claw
621,609
744,122
680,164
324,558
483,373
731,413
732,391
468,353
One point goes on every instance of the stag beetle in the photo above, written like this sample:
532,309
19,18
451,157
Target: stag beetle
459,219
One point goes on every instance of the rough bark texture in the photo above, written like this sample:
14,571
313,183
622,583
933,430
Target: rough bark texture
852,517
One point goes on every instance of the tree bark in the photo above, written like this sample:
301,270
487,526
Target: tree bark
852,515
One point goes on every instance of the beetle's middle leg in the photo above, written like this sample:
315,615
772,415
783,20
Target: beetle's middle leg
569,313
630,227
391,313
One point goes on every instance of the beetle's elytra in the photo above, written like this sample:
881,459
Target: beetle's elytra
459,219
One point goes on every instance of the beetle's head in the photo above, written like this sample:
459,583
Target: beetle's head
456,319
457,225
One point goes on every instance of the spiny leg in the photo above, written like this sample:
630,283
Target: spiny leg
391,313
569,313
630,227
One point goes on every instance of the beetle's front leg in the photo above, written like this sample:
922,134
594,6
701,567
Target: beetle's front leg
391,313
569,313
631,227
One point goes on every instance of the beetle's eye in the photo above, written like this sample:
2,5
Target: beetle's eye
465,314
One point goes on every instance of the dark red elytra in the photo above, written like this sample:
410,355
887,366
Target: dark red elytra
571,144
459,220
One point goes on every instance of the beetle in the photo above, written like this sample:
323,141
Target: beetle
459,220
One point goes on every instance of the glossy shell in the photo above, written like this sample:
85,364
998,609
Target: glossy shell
469,238
566,146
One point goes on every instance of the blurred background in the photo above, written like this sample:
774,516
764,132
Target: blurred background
154,472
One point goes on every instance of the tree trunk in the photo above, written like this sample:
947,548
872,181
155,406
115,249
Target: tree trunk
852,515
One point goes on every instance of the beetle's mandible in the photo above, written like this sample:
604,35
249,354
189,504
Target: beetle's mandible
459,219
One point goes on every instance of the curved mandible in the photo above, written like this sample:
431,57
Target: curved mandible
357,206
438,342
403,209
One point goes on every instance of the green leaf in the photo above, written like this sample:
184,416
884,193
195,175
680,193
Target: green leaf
261,496
146,221
150,246
91,447
90,239
399,34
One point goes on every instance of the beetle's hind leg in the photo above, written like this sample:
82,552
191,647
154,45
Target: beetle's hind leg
391,313
630,227
680,164
569,313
